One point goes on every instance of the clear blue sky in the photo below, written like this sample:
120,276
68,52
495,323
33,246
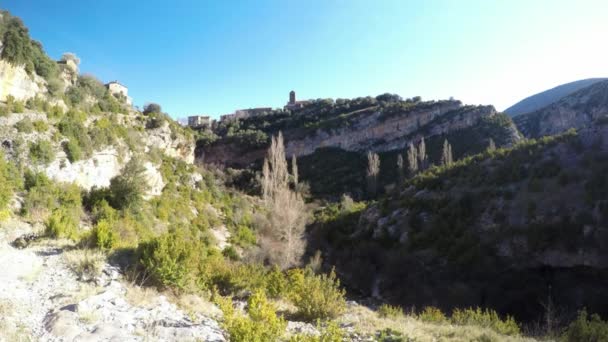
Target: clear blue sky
203,56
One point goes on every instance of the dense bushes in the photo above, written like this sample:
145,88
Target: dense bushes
25,126
44,195
173,259
128,188
316,296
586,328
485,318
9,181
42,152
61,224
389,311
262,323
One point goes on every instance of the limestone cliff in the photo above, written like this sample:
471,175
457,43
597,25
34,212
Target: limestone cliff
371,129
15,81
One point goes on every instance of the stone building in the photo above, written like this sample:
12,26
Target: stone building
116,88
293,104
245,113
199,121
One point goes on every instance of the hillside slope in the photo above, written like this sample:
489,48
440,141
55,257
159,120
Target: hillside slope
578,110
508,229
547,97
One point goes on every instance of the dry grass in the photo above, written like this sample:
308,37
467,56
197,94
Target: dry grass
86,264
144,297
368,322
195,305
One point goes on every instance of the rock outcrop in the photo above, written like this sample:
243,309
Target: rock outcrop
372,129
14,81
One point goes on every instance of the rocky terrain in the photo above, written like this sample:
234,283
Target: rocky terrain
42,298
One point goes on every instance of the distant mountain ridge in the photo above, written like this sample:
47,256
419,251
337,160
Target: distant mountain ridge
583,108
547,97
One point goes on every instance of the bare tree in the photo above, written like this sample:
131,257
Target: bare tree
446,156
412,159
265,180
373,169
491,145
287,217
283,238
422,156
274,172
294,171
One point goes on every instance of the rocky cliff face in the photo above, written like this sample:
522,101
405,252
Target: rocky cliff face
578,110
372,129
14,81
103,164
173,145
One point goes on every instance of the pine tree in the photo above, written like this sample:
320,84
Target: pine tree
412,159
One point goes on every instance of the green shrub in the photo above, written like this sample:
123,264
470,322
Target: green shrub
40,126
44,195
230,253
18,107
316,296
586,328
103,235
4,111
390,335
5,214
42,152
8,181
485,318
432,314
61,225
389,311
25,126
173,258
72,150
276,283
128,188
244,236
261,325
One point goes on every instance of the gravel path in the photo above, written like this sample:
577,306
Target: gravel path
41,299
